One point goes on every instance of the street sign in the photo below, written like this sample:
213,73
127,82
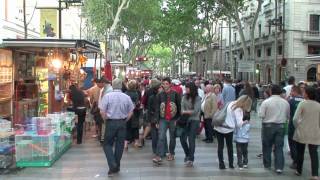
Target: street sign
245,66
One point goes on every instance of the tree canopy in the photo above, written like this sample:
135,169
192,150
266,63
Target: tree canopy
156,28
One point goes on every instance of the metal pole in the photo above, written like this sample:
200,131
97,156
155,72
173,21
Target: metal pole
231,54
275,43
80,25
25,20
60,9
283,29
220,64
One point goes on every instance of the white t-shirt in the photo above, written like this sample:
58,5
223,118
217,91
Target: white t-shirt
233,119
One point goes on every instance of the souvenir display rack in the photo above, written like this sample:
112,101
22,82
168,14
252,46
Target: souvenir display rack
45,142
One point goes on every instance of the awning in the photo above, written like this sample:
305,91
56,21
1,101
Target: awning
87,46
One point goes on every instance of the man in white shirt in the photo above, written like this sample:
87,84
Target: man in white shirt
106,89
274,112
200,91
291,82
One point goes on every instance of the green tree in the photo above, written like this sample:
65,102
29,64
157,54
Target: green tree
160,58
180,30
139,24
105,15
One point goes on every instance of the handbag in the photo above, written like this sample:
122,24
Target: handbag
219,117
183,120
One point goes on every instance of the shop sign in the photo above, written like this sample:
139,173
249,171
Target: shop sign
245,66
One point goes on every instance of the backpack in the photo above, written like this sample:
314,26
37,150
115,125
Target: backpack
219,117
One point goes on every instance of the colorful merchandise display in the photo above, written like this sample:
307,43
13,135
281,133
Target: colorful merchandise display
42,76
44,140
6,144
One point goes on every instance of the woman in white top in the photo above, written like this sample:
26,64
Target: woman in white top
233,119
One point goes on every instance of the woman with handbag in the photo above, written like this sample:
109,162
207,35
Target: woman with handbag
234,118
190,113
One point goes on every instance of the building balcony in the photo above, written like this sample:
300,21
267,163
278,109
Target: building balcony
311,36
268,8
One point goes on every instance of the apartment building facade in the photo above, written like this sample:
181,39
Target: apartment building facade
285,45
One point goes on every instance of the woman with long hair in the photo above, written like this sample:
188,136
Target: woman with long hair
234,118
77,97
306,121
133,123
191,108
217,92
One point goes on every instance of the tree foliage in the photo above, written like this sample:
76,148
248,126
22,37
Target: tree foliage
140,25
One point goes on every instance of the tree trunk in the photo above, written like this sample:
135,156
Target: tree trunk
252,38
124,4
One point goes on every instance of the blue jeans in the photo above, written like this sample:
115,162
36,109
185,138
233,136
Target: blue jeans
154,137
273,135
190,133
163,126
115,133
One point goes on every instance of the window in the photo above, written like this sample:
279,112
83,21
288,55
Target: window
269,29
314,22
280,22
269,51
313,50
312,74
235,37
279,50
259,52
259,30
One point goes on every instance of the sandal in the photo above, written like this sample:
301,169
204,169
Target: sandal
157,160
314,178
170,157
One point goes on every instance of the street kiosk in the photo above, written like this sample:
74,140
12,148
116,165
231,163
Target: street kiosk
34,78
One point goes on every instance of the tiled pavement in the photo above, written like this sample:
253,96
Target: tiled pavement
87,161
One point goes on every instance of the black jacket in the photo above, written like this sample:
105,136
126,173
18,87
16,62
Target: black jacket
161,101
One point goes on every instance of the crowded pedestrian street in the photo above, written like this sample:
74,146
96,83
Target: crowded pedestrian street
159,89
87,161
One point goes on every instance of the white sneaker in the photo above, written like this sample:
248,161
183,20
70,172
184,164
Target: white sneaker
279,171
240,168
245,166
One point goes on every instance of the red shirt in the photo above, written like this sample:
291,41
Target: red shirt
168,109
177,89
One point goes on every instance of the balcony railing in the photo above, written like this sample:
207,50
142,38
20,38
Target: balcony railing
311,36
268,7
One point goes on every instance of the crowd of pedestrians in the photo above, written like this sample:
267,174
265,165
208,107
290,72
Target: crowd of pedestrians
132,111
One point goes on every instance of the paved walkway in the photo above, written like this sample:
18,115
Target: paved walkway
87,161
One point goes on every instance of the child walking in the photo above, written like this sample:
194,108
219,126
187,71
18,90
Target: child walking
242,140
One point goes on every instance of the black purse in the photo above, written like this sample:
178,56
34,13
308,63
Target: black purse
183,120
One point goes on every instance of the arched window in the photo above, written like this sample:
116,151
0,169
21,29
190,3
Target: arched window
312,74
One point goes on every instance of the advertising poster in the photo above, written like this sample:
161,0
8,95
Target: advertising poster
48,23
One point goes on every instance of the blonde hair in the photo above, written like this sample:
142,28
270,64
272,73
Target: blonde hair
244,102
216,86
132,85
